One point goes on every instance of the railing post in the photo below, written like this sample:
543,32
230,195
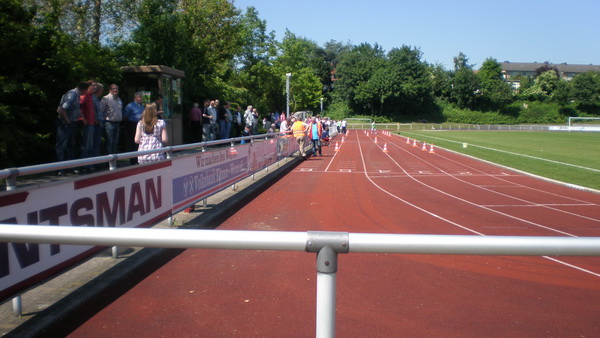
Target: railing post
11,181
327,245
112,164
17,306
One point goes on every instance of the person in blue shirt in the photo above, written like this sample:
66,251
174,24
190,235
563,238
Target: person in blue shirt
132,114
315,130
66,122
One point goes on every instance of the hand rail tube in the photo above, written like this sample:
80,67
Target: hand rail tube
327,245
155,238
297,241
475,245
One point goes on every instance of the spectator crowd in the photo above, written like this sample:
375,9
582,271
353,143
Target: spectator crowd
88,119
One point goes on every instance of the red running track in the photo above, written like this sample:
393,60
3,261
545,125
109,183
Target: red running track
407,190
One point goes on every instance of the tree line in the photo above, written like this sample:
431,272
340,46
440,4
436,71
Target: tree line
48,46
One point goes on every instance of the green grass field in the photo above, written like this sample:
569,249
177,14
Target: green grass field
568,157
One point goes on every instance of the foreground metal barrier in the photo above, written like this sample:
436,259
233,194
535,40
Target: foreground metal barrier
327,246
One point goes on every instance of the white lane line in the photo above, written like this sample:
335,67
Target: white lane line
460,199
517,154
548,206
572,266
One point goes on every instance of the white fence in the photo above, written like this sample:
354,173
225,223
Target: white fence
448,126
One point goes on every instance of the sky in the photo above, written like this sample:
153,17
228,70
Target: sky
516,31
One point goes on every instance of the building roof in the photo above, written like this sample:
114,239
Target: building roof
562,67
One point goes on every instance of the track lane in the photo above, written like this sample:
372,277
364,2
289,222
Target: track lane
508,218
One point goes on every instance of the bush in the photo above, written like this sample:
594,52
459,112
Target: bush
456,115
541,112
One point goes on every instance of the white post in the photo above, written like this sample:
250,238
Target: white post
287,94
321,106
326,299
17,306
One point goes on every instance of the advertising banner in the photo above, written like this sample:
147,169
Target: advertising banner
136,196
124,198
200,175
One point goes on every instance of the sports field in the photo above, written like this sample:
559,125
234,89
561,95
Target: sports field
568,157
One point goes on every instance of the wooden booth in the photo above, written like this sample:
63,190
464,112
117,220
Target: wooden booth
155,80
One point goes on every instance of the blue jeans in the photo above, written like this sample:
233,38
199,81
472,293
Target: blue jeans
87,141
98,131
226,131
65,140
112,136
222,129
316,146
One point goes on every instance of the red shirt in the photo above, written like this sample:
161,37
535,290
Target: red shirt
86,105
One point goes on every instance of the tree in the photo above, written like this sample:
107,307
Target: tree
94,21
413,81
305,89
302,58
354,69
254,65
543,86
465,84
461,61
586,92
199,37
43,64
495,92
586,88
333,50
441,81
258,46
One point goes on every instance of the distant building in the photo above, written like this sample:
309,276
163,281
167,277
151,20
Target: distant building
513,72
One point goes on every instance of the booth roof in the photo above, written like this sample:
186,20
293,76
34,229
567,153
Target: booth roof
155,69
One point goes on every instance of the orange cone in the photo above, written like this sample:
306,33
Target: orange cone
424,146
385,148
337,147
233,151
408,140
375,139
415,143
431,150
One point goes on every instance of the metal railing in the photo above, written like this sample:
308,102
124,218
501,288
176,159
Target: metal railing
11,174
327,246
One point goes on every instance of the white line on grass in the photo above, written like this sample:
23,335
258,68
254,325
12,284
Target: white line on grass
516,154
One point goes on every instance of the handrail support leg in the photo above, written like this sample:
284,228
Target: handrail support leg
327,245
